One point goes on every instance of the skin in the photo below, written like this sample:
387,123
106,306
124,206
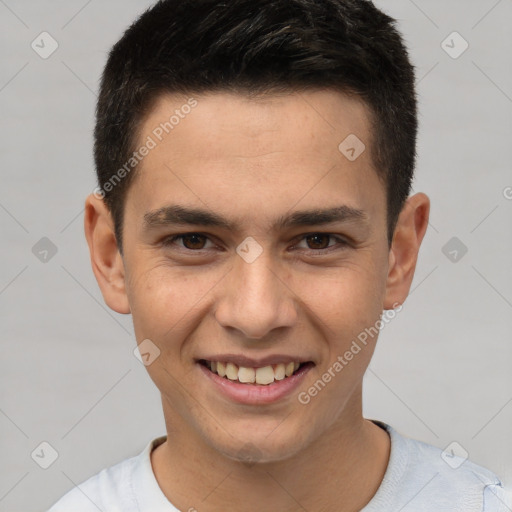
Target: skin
232,155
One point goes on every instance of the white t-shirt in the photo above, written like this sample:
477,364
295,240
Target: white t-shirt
417,479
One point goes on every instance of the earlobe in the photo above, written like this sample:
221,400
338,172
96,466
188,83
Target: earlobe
409,232
106,261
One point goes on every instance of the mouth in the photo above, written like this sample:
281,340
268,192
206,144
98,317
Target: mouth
255,376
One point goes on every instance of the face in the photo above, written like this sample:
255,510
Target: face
251,239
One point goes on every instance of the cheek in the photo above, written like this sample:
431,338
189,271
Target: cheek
346,299
165,300
349,306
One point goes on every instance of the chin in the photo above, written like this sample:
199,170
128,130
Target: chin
253,448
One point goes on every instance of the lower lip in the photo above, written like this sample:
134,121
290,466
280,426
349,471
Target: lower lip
254,394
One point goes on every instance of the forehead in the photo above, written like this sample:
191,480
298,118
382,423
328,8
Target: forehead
228,150
313,120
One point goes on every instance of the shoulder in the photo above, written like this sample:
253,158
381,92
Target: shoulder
452,480
110,489
424,477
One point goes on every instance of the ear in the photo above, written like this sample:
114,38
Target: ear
409,232
107,263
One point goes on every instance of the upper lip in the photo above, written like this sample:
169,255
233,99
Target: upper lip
248,362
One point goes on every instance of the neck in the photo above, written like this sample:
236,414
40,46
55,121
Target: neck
339,472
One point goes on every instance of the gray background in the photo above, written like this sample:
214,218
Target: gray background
441,371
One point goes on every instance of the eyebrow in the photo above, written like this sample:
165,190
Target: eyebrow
182,215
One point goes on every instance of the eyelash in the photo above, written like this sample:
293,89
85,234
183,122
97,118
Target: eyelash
342,244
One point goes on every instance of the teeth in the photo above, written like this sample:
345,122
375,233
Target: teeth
231,371
221,368
248,375
279,371
263,376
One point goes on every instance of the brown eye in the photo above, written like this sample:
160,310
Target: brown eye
191,241
321,243
318,241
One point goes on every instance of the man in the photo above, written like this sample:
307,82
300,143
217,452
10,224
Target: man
254,162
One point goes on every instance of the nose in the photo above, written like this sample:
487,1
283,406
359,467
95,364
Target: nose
256,299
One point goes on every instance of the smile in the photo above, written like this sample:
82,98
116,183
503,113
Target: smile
263,376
